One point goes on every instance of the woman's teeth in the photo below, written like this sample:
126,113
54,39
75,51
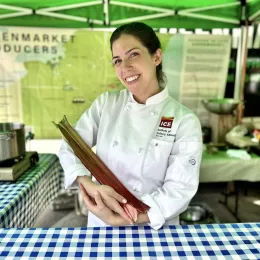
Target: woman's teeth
132,78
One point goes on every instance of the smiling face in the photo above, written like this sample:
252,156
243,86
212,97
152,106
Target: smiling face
136,67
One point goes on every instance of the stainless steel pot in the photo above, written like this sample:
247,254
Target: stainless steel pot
12,141
194,213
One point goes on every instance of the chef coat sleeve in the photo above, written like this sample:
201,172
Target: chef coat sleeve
182,175
87,127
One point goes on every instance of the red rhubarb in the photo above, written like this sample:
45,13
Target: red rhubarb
99,170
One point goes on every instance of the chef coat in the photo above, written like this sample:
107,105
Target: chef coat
154,149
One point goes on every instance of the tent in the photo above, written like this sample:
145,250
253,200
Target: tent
187,14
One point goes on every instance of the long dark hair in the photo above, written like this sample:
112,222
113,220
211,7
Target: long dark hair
146,35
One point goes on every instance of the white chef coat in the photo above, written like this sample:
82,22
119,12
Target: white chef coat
154,149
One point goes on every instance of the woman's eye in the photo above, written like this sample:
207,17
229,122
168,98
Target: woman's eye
134,54
116,62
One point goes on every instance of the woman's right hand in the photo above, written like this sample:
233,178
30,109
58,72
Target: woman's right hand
109,196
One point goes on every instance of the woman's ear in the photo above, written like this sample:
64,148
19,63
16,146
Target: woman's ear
158,57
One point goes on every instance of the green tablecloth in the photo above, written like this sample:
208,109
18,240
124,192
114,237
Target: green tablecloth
22,201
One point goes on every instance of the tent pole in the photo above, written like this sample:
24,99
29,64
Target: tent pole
69,17
241,62
17,14
62,16
144,7
208,17
191,10
21,11
254,15
141,18
72,6
243,72
238,65
15,8
240,52
106,12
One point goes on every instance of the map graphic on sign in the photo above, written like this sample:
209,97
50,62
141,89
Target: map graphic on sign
47,73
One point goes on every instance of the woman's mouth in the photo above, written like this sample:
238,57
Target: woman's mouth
132,79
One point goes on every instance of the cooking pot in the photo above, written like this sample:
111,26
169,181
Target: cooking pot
12,141
194,213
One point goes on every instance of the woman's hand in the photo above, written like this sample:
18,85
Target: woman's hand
98,208
108,196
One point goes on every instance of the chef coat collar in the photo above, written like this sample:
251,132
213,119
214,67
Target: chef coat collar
157,98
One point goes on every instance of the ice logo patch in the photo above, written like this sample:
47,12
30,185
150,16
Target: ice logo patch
166,122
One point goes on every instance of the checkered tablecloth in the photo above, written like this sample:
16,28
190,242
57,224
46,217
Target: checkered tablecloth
22,201
217,241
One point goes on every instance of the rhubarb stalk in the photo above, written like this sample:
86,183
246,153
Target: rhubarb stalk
99,170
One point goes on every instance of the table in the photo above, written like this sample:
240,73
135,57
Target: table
220,167
214,241
22,201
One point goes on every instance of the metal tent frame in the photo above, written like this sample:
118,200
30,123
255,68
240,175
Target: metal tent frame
107,21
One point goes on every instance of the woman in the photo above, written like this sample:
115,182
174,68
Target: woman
148,140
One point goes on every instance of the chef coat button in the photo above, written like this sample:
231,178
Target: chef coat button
152,113
136,189
115,143
140,150
128,108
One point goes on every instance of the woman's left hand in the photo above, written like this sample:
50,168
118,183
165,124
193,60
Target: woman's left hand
99,209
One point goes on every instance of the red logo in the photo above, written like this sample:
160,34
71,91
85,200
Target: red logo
166,122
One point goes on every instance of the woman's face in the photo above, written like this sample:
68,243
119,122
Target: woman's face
135,67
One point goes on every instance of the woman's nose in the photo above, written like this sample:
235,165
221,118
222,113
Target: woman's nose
126,63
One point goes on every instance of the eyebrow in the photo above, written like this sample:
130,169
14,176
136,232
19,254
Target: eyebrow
115,57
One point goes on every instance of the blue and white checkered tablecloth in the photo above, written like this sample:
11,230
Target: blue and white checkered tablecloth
22,201
215,241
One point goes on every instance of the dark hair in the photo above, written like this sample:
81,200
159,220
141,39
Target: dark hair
146,35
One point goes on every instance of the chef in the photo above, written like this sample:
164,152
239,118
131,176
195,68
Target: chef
152,143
